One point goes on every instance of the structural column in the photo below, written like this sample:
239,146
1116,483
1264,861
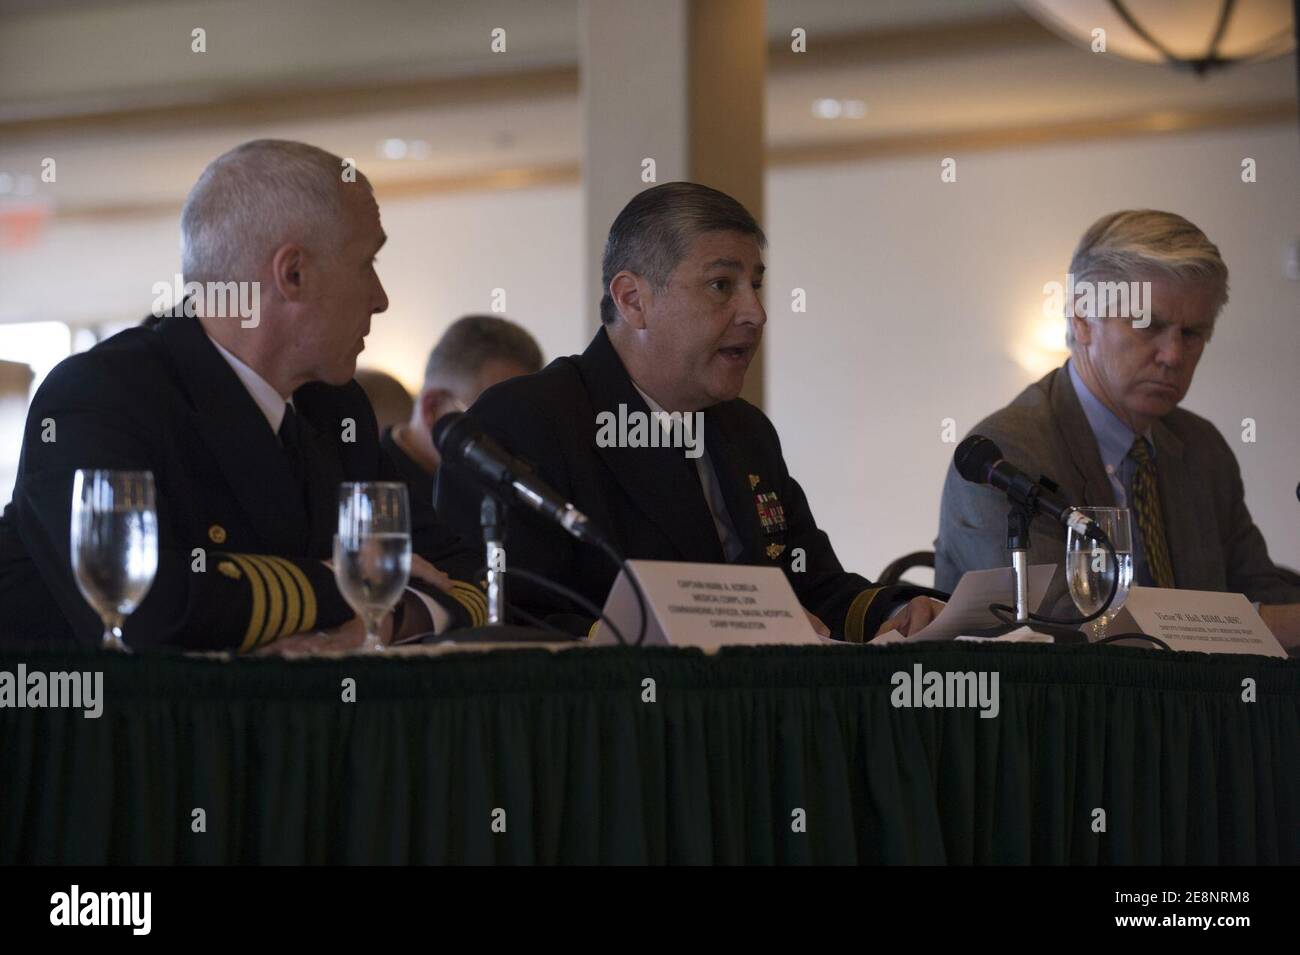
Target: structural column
679,82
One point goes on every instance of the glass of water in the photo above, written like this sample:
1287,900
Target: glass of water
372,551
1090,570
114,544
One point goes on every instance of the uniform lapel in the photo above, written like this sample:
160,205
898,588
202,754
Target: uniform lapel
660,482
325,472
230,423
1075,436
732,473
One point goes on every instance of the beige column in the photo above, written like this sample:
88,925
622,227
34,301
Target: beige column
679,82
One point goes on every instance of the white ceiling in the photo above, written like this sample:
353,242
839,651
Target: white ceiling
122,48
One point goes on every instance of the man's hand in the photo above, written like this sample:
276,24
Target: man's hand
1284,621
913,617
421,569
346,636
819,628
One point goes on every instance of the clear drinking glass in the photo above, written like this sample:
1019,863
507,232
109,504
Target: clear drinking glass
114,544
1090,570
372,551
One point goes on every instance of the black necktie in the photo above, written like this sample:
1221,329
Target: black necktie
291,439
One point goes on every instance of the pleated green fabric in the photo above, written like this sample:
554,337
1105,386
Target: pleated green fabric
782,755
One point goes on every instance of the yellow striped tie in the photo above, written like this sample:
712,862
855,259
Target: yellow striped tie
1146,502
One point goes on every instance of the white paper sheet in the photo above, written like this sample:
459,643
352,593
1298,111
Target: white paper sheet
968,608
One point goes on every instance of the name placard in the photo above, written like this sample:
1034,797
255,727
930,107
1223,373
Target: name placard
1202,620
706,606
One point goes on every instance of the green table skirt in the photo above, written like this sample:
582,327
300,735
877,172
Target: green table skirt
782,755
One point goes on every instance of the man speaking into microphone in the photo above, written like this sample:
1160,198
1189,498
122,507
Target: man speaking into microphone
645,431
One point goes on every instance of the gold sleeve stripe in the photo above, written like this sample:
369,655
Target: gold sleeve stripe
857,614
258,614
473,600
591,631
292,596
308,619
292,601
480,600
469,594
275,597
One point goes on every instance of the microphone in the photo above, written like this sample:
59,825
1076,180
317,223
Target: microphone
980,461
460,439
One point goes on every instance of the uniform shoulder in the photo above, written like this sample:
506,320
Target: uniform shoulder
349,397
740,410
116,367
741,417
548,393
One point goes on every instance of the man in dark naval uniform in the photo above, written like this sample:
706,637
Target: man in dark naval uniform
247,417
681,320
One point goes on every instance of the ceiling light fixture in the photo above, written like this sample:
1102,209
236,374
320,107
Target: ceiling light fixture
393,148
830,108
1195,35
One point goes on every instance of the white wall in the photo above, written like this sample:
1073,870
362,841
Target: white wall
446,254
924,302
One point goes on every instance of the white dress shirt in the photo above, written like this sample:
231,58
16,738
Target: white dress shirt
261,390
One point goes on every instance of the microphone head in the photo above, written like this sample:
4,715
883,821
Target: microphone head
974,457
453,431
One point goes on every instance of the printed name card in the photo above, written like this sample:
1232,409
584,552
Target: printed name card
706,606
1201,620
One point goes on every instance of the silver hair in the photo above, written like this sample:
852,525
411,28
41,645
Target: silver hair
1125,245
253,199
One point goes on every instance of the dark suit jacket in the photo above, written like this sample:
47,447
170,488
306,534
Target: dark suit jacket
1213,543
163,399
649,501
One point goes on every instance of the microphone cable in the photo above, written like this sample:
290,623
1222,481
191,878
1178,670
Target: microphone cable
1065,626
556,587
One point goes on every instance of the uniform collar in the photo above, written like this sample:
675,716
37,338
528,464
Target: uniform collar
657,410
262,391
661,482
